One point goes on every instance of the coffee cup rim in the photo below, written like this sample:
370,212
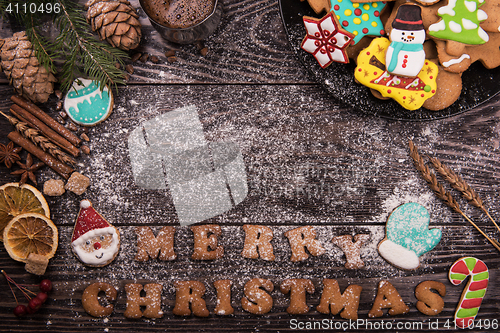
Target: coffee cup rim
179,29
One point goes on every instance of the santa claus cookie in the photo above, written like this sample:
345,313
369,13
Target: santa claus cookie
95,242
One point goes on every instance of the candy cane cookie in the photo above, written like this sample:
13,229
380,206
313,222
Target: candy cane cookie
473,294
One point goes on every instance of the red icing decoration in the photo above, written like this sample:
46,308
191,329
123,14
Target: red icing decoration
389,91
382,32
97,245
345,23
376,13
464,322
471,303
336,7
365,30
88,219
478,285
461,268
479,267
357,12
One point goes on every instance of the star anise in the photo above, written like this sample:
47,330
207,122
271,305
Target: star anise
27,170
9,154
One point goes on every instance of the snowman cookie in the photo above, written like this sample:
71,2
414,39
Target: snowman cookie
95,242
405,55
86,104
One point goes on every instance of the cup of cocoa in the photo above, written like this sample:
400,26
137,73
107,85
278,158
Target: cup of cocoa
183,21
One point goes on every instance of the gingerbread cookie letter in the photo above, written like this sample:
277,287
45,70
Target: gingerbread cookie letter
190,292
258,242
387,298
152,301
332,300
430,303
257,300
297,289
352,249
90,300
205,242
303,238
150,246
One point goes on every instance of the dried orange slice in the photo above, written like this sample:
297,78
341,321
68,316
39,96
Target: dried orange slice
16,200
30,233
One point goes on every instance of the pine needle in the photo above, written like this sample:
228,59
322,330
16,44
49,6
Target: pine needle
441,192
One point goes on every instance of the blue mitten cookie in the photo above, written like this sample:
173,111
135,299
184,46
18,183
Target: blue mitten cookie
408,236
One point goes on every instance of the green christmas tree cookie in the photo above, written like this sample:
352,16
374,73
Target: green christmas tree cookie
460,22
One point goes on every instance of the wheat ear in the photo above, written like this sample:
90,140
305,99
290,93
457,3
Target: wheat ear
39,140
460,185
440,191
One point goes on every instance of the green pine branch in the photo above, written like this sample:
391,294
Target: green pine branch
80,52
82,49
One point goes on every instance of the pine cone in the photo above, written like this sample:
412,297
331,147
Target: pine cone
115,21
23,70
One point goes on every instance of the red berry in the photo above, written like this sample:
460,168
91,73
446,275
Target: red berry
46,285
30,310
20,310
42,296
35,304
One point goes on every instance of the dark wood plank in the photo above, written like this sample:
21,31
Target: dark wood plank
248,47
294,139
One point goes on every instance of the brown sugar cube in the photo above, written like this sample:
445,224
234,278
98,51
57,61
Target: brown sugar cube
77,183
36,264
54,187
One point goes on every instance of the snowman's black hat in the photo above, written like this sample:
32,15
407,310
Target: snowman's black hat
408,17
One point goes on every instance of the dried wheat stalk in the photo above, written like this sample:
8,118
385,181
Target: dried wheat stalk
39,140
440,191
460,185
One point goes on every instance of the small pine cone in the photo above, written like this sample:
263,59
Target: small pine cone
24,72
116,21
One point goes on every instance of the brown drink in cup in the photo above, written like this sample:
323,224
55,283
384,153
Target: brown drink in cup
178,14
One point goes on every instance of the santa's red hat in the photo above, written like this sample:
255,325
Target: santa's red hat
89,224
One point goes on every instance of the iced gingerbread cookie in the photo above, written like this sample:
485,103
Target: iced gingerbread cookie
410,92
95,242
474,292
460,20
405,56
86,104
326,40
360,19
408,236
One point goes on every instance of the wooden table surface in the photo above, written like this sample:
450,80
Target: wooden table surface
310,161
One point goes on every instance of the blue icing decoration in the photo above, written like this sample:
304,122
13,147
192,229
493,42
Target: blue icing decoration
92,112
83,91
408,226
360,19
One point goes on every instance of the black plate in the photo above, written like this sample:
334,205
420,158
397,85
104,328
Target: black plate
479,83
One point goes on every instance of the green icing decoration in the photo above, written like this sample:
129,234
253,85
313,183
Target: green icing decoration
408,226
475,294
470,262
427,88
481,276
465,313
458,276
460,21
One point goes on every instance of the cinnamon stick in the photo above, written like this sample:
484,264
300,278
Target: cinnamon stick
59,167
48,120
34,122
